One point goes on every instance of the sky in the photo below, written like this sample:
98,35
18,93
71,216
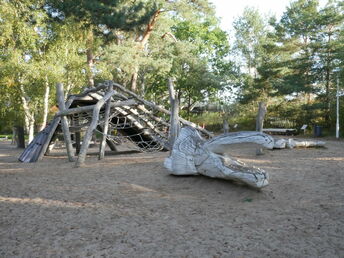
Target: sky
228,10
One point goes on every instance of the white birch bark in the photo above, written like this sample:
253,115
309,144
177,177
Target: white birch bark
45,105
29,116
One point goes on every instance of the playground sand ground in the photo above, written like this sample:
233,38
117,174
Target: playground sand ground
128,206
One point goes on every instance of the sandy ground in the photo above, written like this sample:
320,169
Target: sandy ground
128,206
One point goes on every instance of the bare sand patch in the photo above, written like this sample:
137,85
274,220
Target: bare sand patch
128,206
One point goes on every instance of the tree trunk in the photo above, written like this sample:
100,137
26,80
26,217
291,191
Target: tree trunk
90,58
328,78
225,125
29,116
141,45
174,119
260,123
260,116
45,105
133,83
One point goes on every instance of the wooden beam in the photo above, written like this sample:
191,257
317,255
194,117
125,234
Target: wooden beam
88,135
64,122
161,109
106,126
72,111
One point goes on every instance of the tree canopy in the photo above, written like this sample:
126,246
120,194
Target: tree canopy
292,63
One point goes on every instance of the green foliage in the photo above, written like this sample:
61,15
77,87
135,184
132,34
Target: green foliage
292,64
299,58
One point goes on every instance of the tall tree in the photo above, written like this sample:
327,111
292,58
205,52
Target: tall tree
250,33
102,18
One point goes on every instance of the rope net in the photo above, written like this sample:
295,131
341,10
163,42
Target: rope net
138,125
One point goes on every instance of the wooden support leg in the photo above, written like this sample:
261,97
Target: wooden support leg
106,127
88,135
64,122
174,120
110,143
77,135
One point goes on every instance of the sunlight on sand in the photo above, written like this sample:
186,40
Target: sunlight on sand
256,161
45,202
331,158
11,170
141,188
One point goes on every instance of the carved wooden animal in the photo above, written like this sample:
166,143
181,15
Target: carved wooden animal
192,155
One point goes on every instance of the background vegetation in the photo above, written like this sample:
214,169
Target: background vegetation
292,64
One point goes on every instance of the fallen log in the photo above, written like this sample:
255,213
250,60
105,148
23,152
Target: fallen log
291,143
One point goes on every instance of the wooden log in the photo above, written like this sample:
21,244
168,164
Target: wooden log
83,109
77,137
64,122
260,117
46,146
151,115
225,125
88,135
307,144
291,143
87,91
106,126
20,137
260,122
174,118
146,121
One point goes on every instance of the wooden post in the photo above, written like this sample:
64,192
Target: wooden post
260,122
77,136
106,126
109,142
88,135
260,116
225,125
174,119
49,143
20,137
64,122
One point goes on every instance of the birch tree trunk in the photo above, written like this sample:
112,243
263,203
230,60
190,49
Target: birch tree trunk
45,104
29,116
260,123
90,58
134,77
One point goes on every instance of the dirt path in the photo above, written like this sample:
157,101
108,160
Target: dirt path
127,206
